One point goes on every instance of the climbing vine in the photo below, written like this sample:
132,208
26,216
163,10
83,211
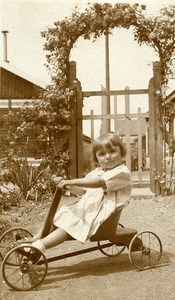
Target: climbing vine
49,119
98,19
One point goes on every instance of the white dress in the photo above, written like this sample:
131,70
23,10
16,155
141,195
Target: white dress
81,219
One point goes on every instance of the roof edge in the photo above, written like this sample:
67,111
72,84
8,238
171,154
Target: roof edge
8,67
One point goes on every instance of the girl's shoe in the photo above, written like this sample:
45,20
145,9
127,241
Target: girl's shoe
32,254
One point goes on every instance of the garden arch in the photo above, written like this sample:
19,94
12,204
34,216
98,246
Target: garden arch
98,19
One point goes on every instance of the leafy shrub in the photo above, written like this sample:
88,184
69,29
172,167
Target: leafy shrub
33,183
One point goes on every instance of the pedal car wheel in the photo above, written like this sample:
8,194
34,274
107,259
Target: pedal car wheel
24,268
145,250
110,249
9,238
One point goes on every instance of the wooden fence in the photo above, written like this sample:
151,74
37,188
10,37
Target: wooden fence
153,132
131,127
155,135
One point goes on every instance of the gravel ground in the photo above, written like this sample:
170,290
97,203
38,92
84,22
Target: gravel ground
93,276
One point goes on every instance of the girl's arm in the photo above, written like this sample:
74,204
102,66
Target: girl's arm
95,182
75,190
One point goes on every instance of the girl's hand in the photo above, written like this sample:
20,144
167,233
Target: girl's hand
57,179
64,185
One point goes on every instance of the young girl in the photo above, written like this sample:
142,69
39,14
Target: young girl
102,191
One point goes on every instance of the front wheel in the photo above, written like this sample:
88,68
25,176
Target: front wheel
145,250
24,268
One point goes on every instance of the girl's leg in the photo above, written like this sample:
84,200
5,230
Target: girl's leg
38,234
55,238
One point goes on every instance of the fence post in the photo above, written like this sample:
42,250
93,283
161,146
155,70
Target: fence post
159,126
104,122
73,131
152,152
156,130
79,127
140,154
127,131
92,125
116,129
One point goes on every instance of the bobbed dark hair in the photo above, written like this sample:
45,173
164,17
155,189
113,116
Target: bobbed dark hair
107,140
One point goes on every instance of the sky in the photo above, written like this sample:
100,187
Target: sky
130,64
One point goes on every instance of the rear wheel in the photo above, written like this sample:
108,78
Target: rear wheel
109,248
145,250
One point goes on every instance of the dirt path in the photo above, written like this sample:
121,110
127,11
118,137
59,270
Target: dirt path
93,276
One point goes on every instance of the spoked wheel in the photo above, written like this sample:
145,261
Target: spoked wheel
109,248
145,250
21,268
9,239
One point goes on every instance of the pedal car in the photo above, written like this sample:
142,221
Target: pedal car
24,267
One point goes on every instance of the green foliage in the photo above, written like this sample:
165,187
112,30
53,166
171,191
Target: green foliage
157,32
33,183
19,173
8,199
47,120
39,124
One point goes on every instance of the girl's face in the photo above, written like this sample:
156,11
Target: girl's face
109,158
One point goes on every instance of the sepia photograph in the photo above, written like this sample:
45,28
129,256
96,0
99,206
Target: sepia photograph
87,149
